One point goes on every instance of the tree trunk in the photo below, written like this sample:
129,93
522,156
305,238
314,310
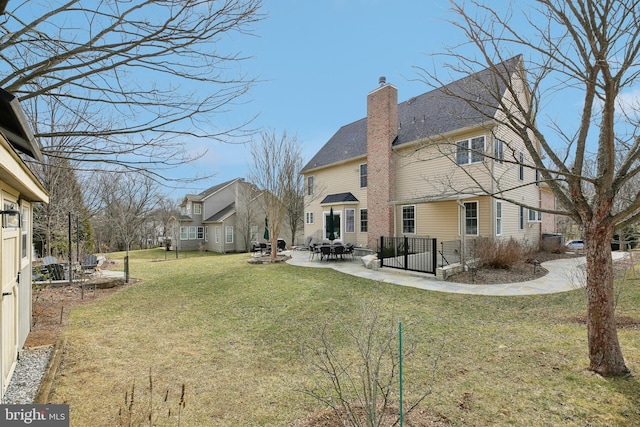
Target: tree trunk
605,355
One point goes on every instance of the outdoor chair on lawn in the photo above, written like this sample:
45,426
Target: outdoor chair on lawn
265,248
49,260
90,263
56,271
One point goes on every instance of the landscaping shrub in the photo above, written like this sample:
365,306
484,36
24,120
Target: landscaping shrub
502,254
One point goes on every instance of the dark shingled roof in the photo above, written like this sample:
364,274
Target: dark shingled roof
215,188
433,113
340,197
13,125
220,215
209,191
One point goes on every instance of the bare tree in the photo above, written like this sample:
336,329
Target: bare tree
294,196
127,201
587,49
248,213
141,77
357,379
276,163
165,213
51,226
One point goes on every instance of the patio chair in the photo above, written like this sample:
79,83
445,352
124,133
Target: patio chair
338,251
314,249
348,250
325,250
56,271
89,263
49,260
308,242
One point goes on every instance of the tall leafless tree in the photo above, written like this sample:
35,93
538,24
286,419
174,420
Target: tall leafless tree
587,50
126,203
142,77
276,163
248,214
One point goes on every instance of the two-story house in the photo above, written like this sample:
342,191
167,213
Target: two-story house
430,166
228,217
19,190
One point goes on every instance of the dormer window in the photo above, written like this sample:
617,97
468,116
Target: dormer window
197,209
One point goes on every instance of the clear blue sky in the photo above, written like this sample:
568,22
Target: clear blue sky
318,60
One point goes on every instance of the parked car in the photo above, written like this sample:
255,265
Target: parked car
574,245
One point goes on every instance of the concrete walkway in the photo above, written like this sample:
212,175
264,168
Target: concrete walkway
564,275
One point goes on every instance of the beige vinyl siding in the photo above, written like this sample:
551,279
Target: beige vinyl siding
522,191
338,179
441,220
435,220
429,168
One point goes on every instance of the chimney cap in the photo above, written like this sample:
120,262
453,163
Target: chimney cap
382,80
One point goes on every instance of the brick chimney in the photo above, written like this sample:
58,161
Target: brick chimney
382,130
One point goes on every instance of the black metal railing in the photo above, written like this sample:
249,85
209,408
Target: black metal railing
409,253
450,252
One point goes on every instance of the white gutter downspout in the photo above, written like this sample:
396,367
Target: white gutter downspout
395,219
463,233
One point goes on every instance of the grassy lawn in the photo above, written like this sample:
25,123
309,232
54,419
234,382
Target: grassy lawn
230,332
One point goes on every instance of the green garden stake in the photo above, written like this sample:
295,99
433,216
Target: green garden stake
400,369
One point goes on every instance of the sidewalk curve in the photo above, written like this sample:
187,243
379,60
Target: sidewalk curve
563,275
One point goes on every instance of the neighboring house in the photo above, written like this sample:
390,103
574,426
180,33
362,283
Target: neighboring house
19,190
404,170
228,217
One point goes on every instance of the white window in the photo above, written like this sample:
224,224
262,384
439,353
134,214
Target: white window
349,220
216,234
498,150
228,234
471,218
197,208
363,175
409,219
200,233
309,217
25,232
470,150
364,220
498,218
310,186
184,233
535,216
206,234
192,232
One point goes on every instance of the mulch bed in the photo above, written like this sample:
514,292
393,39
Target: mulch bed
52,304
